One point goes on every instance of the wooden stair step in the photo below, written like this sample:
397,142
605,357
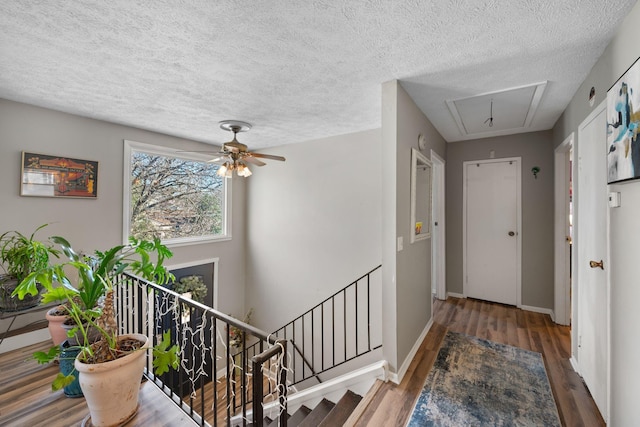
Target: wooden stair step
298,416
343,409
318,414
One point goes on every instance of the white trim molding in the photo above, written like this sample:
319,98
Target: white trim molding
397,377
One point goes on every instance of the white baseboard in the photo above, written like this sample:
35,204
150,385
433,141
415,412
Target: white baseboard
455,295
397,377
538,310
358,381
574,364
23,340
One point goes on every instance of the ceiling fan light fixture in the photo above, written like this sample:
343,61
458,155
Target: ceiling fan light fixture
243,170
222,170
229,172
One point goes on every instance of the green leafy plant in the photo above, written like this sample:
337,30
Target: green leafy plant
90,303
193,284
21,255
237,335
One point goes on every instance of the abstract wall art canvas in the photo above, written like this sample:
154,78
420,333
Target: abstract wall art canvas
623,122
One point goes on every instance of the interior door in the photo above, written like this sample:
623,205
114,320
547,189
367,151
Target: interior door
592,245
491,232
438,253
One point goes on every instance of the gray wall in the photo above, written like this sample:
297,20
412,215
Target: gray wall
624,229
97,224
406,273
313,225
535,149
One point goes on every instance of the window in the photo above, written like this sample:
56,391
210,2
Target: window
173,195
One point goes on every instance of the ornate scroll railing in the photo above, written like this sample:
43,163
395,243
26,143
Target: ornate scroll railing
216,384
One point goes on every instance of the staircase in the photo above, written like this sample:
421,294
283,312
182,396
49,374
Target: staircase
325,414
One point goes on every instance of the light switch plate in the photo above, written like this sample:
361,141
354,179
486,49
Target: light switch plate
614,199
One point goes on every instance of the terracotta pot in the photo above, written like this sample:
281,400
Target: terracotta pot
111,388
58,335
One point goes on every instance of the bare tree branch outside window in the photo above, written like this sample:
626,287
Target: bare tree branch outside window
174,198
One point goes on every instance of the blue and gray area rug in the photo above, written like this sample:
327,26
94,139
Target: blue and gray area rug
475,382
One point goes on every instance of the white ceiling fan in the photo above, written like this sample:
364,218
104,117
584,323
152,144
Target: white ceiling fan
235,155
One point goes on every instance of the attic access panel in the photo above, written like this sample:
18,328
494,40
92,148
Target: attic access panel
512,110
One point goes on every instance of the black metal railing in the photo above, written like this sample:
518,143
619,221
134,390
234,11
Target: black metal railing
335,331
217,383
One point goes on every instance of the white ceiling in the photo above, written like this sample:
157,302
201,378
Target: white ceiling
295,70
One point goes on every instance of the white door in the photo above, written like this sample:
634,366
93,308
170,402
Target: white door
562,231
438,262
591,283
492,230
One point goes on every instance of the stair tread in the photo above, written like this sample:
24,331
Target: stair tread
298,416
318,414
341,411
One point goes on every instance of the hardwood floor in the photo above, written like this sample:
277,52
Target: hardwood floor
392,404
26,398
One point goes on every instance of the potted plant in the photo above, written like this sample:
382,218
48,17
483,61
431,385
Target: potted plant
56,317
20,255
90,305
191,287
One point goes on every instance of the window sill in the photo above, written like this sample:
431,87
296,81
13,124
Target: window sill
176,243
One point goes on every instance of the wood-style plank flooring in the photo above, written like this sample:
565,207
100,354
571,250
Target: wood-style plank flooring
392,404
26,398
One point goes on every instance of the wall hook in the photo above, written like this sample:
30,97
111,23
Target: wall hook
535,171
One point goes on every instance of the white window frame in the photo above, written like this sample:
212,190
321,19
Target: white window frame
132,146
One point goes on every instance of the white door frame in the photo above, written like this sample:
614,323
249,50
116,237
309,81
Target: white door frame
438,254
562,279
518,161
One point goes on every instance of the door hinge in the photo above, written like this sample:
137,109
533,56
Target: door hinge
579,341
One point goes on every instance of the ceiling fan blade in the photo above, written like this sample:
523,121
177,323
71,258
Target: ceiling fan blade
216,160
268,156
202,151
253,160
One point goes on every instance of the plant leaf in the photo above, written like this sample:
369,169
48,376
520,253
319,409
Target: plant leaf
165,355
66,248
41,357
62,381
57,294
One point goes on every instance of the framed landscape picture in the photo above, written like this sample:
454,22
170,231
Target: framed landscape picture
55,176
623,123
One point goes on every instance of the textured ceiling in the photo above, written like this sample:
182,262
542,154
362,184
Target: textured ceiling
295,70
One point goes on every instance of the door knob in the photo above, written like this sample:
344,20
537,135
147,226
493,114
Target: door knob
596,264
511,233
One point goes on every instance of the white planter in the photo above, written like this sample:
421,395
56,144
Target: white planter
111,388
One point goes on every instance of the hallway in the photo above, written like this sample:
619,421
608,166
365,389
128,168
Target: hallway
392,404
